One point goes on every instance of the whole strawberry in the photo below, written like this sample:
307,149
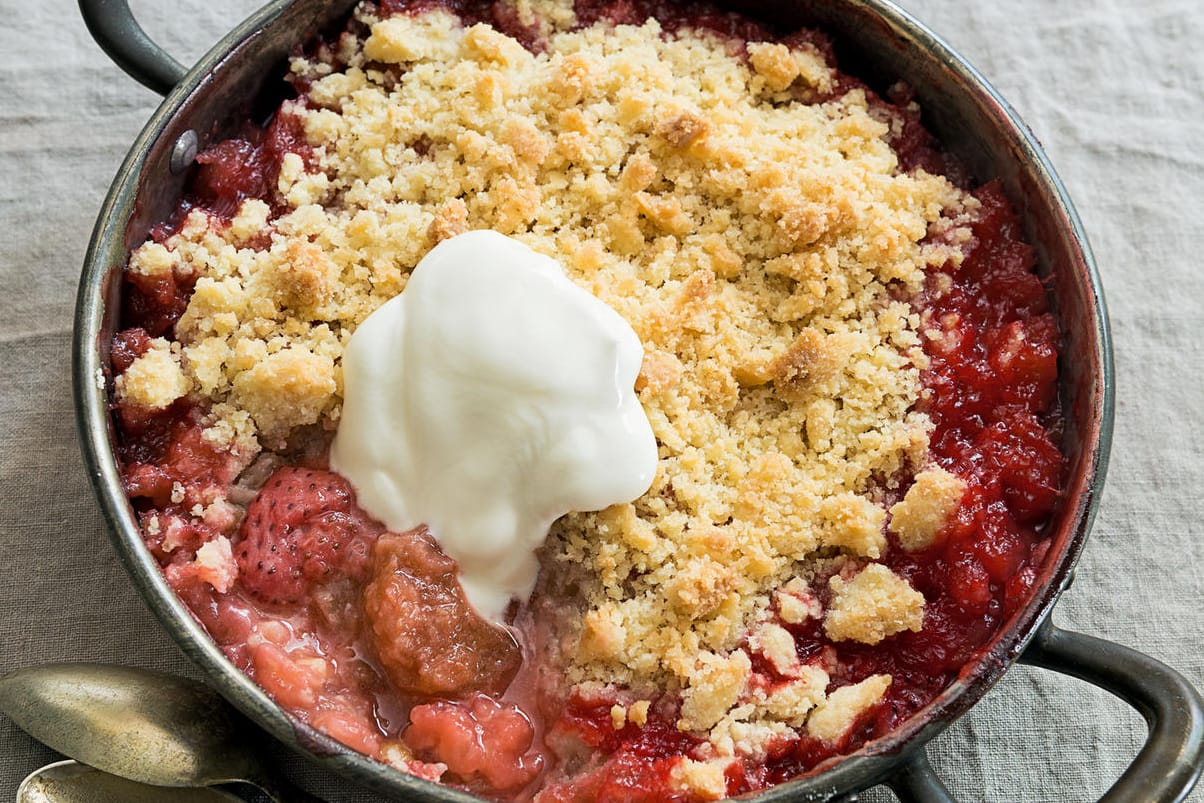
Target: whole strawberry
302,530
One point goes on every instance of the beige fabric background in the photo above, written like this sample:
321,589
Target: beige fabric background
1115,90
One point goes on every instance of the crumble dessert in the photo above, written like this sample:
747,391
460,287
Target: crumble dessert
849,368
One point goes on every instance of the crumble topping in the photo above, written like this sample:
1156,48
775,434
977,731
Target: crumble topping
758,244
927,505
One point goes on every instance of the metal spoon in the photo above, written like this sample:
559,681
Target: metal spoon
72,782
140,725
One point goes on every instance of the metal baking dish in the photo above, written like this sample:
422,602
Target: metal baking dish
877,42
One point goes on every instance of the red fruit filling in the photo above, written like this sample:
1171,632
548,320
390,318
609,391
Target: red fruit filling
637,761
479,739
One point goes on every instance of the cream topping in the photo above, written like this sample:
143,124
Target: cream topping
488,399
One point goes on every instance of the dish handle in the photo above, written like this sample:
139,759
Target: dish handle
119,35
1170,762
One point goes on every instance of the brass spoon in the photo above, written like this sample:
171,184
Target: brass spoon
72,782
140,725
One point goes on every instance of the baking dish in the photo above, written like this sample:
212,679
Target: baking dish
882,44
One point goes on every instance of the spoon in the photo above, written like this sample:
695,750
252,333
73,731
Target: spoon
140,725
72,782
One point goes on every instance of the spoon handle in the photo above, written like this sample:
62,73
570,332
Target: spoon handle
281,791
72,782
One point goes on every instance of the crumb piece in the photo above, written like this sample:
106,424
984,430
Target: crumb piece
717,685
638,173
776,645
791,702
814,71
725,261
701,586
298,186
855,523
797,602
637,712
396,754
155,379
700,780
820,423
811,361
660,371
528,142
175,533
407,38
833,718
251,221
602,635
873,605
775,63
451,219
232,430
305,278
221,516
927,505
572,79
681,129
289,389
665,211
483,42
151,259
215,564
746,731
799,222
618,716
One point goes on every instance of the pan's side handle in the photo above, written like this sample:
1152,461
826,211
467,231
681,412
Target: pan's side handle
1172,758
915,782
114,28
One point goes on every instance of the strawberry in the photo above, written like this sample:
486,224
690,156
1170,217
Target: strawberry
302,530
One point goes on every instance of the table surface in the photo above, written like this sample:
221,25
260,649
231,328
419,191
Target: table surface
1111,87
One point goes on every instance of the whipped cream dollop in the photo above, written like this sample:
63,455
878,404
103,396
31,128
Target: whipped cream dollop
489,398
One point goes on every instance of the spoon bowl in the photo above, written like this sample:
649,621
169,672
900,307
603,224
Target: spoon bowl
72,782
142,726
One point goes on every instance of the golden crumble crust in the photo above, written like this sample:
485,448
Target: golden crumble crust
756,240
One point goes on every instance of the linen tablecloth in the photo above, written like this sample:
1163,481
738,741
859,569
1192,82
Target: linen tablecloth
1113,88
